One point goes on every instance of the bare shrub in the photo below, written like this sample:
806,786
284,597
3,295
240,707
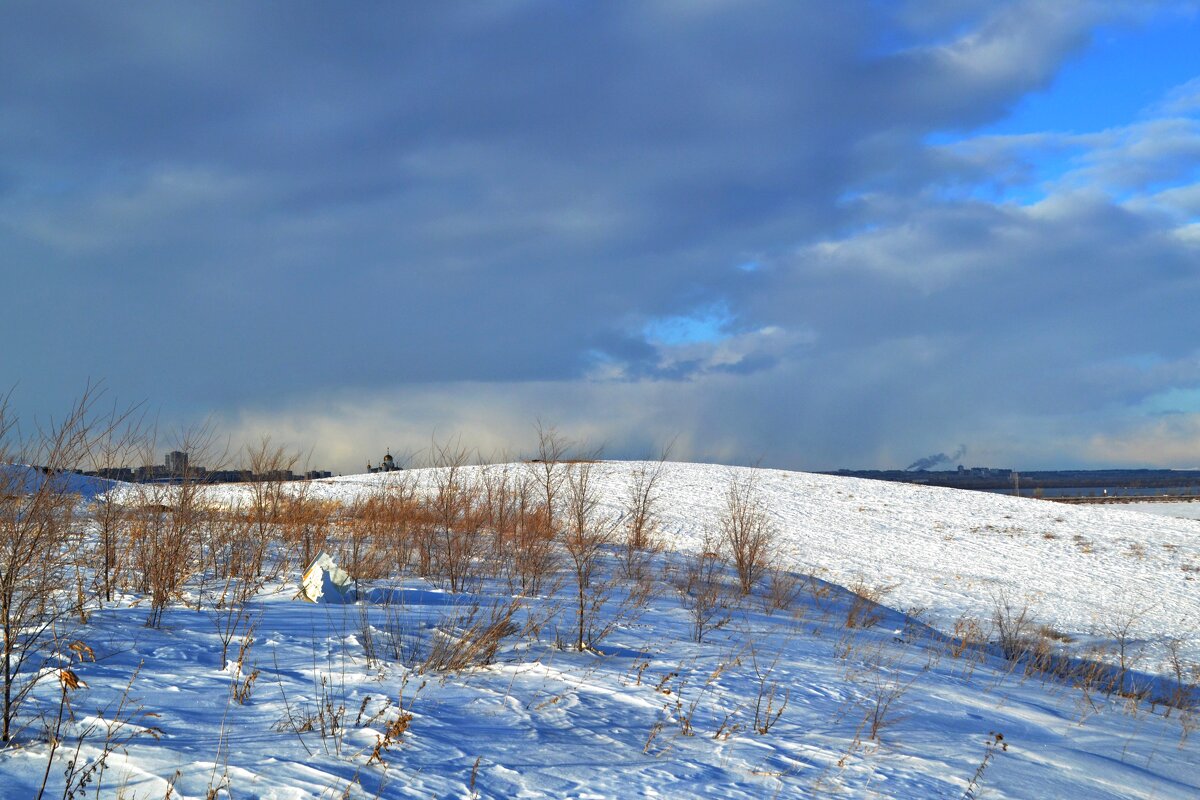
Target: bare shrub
304,524
703,592
1014,626
171,524
243,673
532,557
745,529
230,617
864,610
458,520
546,471
499,509
362,537
1120,628
114,449
584,538
783,589
111,520
163,544
1186,676
270,464
1090,675
37,543
967,638
882,683
641,515
377,535
400,637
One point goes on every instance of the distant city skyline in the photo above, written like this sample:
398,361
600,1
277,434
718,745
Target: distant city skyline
809,236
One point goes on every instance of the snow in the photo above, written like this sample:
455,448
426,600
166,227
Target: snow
30,478
654,713
1179,510
947,552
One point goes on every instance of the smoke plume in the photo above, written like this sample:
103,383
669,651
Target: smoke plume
929,462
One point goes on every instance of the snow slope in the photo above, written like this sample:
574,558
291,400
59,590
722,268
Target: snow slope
30,479
947,552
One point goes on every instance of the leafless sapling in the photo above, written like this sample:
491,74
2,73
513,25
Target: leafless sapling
745,528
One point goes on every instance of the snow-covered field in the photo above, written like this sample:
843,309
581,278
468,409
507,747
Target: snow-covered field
776,703
1189,510
946,552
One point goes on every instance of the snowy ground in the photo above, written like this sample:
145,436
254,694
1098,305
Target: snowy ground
548,722
654,713
1189,510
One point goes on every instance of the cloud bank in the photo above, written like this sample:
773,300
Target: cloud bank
773,230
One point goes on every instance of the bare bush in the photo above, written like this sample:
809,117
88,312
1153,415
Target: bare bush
704,593
883,690
37,543
546,471
1185,674
458,519
270,464
882,682
242,673
161,540
169,529
305,524
111,521
531,556
585,536
1120,628
377,535
967,642
746,531
1014,627
864,610
783,589
111,452
498,506
641,516
400,636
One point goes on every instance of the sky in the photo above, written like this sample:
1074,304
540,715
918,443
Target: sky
810,235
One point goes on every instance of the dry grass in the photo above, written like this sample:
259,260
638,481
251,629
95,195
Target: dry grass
472,638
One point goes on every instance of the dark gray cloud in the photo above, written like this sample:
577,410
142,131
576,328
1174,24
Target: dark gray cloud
251,208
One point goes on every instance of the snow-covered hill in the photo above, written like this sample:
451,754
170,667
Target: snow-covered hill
946,552
24,478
